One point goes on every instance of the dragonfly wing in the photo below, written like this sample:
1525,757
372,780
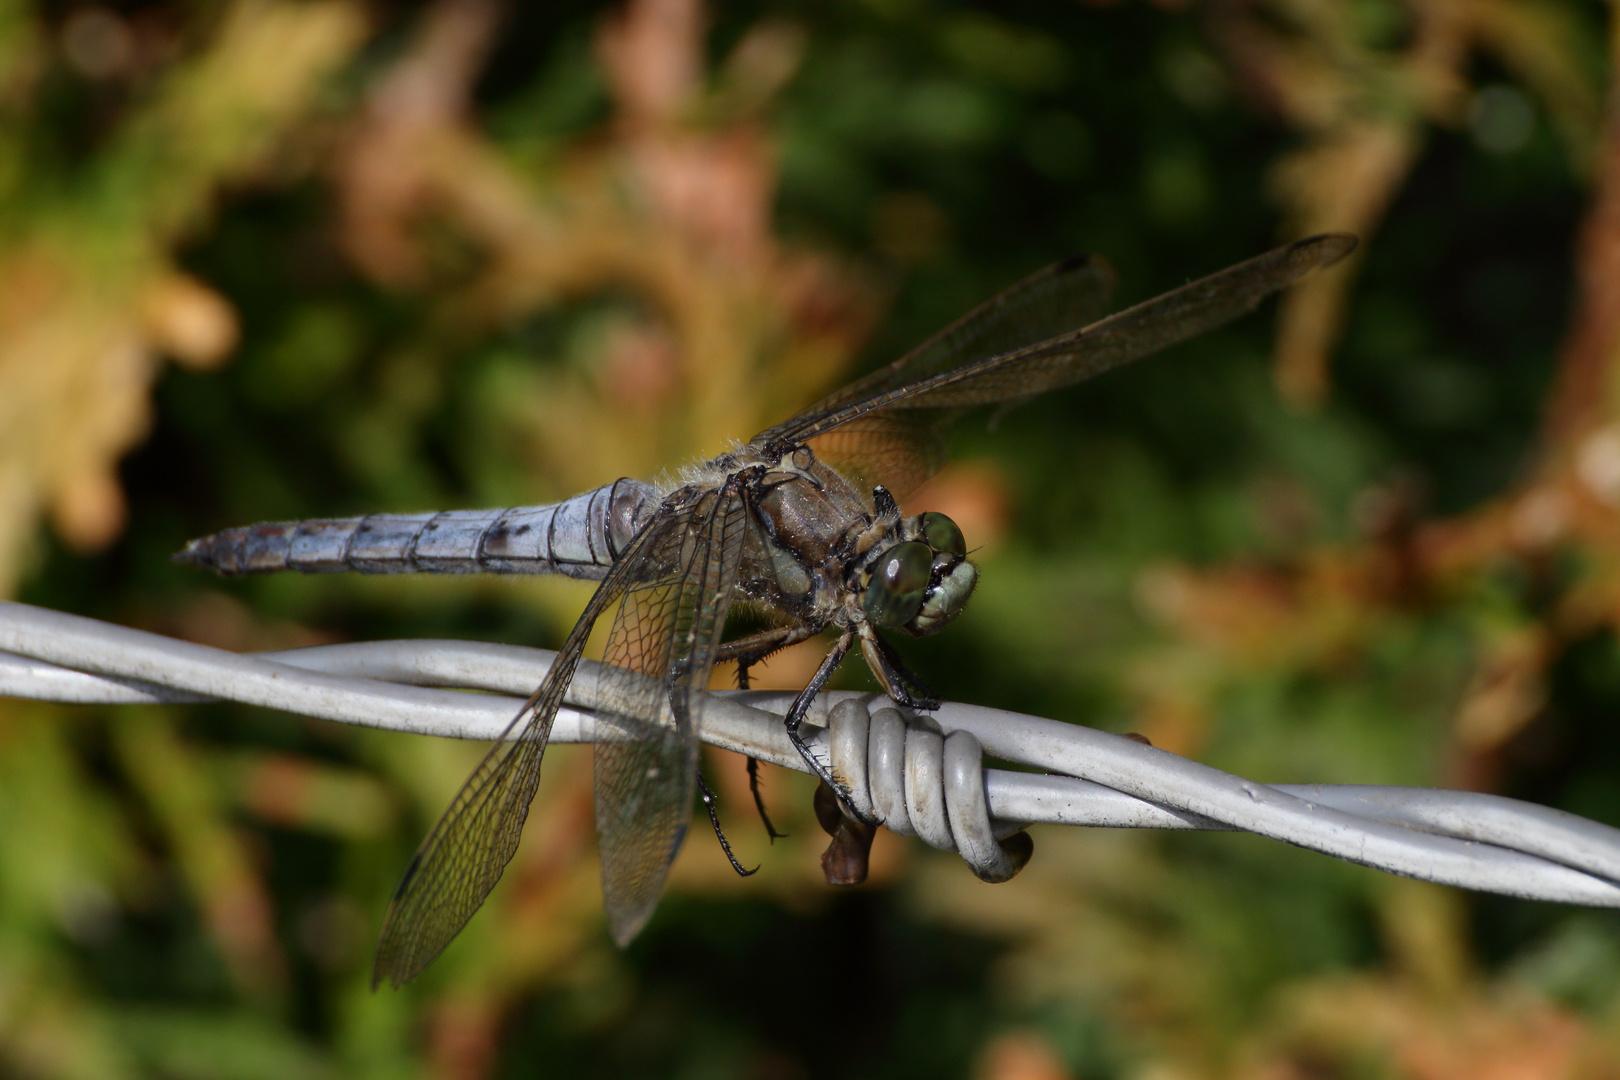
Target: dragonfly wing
650,697
889,447
467,850
900,452
1062,297
881,423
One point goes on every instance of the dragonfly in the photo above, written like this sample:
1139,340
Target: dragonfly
802,522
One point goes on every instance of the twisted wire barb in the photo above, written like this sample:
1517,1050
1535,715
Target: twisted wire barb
922,776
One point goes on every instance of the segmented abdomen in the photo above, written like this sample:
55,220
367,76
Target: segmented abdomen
579,537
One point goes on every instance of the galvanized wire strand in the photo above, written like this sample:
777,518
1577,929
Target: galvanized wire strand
920,776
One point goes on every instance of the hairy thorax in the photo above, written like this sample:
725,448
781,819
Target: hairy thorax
808,530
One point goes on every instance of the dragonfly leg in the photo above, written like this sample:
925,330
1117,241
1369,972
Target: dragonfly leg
753,770
747,652
801,708
751,650
710,803
898,683
759,801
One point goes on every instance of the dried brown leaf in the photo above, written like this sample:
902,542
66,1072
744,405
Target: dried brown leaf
91,299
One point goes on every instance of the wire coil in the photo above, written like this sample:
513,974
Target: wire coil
916,780
922,776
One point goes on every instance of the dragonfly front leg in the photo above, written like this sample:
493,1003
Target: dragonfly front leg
897,682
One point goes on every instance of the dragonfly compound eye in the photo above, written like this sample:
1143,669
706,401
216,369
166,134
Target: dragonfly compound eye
895,593
941,534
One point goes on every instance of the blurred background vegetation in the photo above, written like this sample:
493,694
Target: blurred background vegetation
265,259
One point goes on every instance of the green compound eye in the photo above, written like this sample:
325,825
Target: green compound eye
895,593
942,534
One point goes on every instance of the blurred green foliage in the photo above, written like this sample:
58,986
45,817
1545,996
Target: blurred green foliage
414,256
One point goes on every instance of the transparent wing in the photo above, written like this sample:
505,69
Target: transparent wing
893,434
901,451
1064,296
650,698
463,857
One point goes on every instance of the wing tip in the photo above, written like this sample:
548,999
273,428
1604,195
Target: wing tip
1099,269
399,961
385,968
624,926
1325,249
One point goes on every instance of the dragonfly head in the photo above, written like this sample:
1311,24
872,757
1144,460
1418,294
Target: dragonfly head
923,582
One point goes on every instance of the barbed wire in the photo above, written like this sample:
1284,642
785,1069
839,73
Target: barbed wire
920,776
